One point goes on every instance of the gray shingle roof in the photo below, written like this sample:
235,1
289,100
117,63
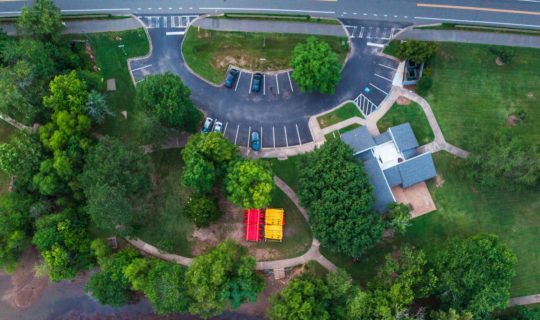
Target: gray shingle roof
382,193
359,139
382,138
393,176
417,169
404,136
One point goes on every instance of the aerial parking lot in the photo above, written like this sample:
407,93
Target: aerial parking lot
279,111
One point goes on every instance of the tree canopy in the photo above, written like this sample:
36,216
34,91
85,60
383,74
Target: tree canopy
21,156
249,184
315,66
202,210
337,193
417,51
42,20
166,96
15,228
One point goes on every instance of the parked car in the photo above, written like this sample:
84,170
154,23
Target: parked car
255,141
218,126
257,82
231,78
207,126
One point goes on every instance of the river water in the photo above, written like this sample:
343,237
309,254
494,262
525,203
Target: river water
67,300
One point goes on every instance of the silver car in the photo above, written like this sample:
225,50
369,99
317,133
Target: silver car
218,127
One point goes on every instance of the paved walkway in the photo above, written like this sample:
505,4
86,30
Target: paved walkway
270,26
522,301
503,39
88,26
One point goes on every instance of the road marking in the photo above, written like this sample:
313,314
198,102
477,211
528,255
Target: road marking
372,44
277,85
538,1
225,130
274,136
139,9
236,137
238,81
361,32
265,9
144,67
298,133
385,78
264,85
381,90
249,134
165,21
368,36
170,8
385,66
175,33
250,84
481,22
286,140
445,6
261,136
290,82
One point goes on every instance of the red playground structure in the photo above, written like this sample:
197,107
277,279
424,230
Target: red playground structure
254,222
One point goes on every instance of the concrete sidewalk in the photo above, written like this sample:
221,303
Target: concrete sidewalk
503,39
87,26
270,26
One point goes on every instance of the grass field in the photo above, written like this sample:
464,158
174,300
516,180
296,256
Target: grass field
338,133
287,170
342,113
276,17
165,226
112,62
210,52
411,113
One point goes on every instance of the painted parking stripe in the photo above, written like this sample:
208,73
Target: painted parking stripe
385,78
236,137
165,21
264,86
140,68
249,134
175,33
225,130
274,136
290,82
381,90
385,66
238,81
361,32
261,135
298,133
286,140
277,85
250,83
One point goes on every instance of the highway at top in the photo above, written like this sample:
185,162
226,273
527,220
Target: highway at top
509,13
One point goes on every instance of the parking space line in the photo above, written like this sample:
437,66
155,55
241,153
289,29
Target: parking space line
361,32
298,133
277,85
381,90
238,81
264,86
261,136
250,83
249,135
385,66
225,130
274,136
385,78
236,137
143,67
165,21
290,82
286,140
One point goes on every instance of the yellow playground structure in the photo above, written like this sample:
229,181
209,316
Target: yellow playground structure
273,224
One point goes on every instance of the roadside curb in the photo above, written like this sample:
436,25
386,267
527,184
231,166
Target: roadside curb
148,55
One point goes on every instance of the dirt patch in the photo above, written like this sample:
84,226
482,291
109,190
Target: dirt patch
90,52
26,286
439,181
403,101
530,95
499,61
512,120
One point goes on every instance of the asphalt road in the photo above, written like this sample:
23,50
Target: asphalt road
510,13
280,112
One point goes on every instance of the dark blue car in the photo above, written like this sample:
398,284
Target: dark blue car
257,82
255,141
231,77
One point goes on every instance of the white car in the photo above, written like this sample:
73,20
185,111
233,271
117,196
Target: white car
218,127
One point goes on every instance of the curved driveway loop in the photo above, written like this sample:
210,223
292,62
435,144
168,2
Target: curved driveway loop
282,119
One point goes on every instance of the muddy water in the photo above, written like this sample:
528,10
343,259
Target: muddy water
67,300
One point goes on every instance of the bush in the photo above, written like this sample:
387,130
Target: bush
202,210
424,85
417,51
506,54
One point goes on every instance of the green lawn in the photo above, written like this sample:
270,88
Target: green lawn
165,226
287,170
112,62
338,133
276,17
470,91
210,52
297,233
345,112
412,113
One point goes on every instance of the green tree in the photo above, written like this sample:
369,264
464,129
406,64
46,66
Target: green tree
223,276
249,184
474,274
115,181
399,217
148,130
336,191
213,147
304,298
451,315
161,282
63,242
15,228
417,51
199,174
96,107
110,285
202,210
21,156
166,96
42,20
315,66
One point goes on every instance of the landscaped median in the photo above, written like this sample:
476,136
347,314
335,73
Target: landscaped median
209,53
